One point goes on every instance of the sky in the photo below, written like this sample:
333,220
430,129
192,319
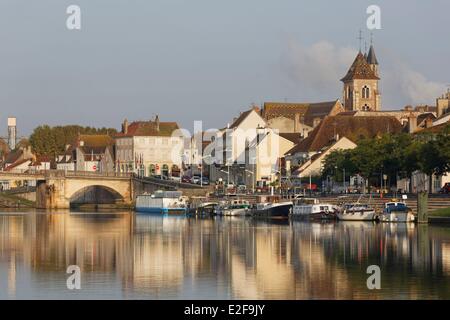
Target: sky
207,60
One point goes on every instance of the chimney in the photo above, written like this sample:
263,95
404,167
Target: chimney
157,123
125,126
412,123
297,122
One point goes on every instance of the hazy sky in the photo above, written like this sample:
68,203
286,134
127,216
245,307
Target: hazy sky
206,60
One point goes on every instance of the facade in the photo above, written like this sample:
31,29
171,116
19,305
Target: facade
94,153
313,165
298,117
263,158
361,91
66,161
227,150
149,148
40,163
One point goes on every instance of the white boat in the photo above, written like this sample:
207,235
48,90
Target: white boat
234,208
356,212
165,202
396,211
313,209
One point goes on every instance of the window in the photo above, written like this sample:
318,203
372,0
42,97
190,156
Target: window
365,92
365,107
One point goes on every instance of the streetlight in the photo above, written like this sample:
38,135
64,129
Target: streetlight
253,180
345,189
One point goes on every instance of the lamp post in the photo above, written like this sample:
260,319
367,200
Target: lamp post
253,180
345,189
335,172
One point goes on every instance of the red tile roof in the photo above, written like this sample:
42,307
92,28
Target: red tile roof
354,128
149,128
309,111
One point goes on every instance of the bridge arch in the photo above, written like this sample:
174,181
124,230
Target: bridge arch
95,194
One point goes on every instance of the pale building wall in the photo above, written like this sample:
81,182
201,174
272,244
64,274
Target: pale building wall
268,152
315,167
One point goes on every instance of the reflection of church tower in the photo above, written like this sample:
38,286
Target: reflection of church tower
361,83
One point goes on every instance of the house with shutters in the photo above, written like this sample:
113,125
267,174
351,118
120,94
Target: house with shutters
149,148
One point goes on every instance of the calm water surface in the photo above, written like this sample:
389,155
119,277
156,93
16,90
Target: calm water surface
132,256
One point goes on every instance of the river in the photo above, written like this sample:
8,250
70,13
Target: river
124,255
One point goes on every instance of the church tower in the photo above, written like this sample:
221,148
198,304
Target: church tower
361,84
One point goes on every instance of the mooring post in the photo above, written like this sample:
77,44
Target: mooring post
422,207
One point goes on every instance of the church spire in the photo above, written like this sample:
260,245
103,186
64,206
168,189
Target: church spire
371,57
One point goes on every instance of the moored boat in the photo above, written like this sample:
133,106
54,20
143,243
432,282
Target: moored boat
396,211
272,206
311,208
164,202
356,212
234,208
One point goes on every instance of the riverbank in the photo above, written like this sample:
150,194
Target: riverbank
12,201
439,216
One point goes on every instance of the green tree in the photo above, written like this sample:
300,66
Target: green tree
46,140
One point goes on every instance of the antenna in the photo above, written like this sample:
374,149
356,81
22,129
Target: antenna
360,38
371,38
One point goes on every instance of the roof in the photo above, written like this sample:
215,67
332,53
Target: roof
360,69
371,58
294,137
434,129
242,117
423,116
354,128
308,110
95,140
149,128
13,156
17,163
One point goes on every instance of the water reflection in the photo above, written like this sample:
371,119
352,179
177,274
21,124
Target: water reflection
124,255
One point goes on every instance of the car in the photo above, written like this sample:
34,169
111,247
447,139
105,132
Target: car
445,188
205,181
186,179
195,179
161,177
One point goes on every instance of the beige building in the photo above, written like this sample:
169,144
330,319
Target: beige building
149,148
247,151
361,90
263,157
94,153
313,166
298,117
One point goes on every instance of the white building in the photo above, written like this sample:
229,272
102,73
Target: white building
149,148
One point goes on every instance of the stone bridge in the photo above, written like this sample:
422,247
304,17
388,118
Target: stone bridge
59,189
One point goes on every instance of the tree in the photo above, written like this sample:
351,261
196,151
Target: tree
46,140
